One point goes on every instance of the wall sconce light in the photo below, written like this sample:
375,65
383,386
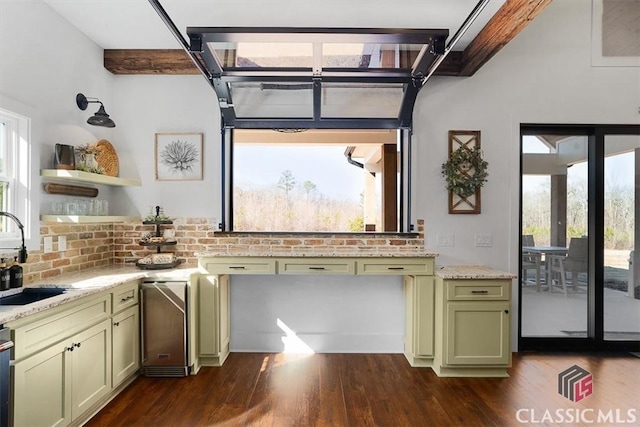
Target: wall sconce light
100,118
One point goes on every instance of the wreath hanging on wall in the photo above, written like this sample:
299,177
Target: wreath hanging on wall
465,171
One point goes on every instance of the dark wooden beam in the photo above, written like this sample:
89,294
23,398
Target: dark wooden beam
511,18
148,61
176,61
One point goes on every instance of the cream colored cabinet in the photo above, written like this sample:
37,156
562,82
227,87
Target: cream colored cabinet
125,335
472,327
57,385
125,344
213,319
418,341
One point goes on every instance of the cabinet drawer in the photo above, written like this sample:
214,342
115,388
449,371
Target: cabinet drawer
239,265
324,266
124,296
477,290
33,337
423,266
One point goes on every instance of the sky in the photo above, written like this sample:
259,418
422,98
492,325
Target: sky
326,166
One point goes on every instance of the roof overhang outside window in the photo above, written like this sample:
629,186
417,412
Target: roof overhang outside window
315,78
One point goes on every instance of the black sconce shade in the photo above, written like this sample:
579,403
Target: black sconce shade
100,118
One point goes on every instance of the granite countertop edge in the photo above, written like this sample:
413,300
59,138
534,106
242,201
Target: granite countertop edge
83,284
471,272
359,254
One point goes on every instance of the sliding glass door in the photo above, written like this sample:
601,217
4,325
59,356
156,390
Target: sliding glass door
579,279
621,198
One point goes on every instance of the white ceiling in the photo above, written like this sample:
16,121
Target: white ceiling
134,24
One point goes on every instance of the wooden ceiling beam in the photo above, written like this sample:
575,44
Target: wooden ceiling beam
509,20
148,61
176,61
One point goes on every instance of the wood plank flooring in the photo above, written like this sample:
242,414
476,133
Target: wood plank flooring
373,390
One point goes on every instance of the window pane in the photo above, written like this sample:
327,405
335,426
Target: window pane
369,55
259,55
621,280
296,188
554,253
272,100
3,148
357,100
4,206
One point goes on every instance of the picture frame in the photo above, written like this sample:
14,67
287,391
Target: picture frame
178,157
464,140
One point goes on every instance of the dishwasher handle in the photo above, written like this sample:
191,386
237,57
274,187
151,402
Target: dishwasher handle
5,345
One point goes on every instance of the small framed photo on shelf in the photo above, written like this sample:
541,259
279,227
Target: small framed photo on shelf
178,157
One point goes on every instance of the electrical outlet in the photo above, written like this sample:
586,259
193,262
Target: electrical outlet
62,243
48,244
484,240
446,239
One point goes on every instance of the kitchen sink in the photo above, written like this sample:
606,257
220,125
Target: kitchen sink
30,295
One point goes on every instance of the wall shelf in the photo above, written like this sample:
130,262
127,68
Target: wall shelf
80,176
86,219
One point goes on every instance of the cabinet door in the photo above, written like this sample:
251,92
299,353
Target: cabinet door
125,344
41,385
90,367
477,333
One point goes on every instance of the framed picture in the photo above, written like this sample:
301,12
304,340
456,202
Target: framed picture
178,157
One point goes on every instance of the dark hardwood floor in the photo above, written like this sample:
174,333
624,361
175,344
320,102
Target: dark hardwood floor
376,390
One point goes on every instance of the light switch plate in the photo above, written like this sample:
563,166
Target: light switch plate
446,239
484,240
62,243
48,244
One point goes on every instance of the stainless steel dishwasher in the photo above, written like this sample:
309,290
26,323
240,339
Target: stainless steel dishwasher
164,329
5,387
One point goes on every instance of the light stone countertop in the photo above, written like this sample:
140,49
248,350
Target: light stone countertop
471,272
86,283
348,253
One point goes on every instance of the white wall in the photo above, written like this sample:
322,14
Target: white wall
147,105
44,63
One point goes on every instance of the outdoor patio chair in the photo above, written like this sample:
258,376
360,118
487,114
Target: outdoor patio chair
531,261
575,262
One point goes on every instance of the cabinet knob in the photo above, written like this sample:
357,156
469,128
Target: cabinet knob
77,345
506,311
70,348
116,323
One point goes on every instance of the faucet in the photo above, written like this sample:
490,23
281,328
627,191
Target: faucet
22,250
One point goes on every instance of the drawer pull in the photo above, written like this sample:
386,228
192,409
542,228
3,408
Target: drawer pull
480,292
125,299
395,268
237,267
316,268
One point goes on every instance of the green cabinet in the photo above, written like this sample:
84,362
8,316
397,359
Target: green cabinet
63,380
472,327
125,344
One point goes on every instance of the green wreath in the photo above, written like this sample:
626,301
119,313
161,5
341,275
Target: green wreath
465,171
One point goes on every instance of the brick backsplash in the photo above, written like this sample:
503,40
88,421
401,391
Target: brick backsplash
93,245
88,246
